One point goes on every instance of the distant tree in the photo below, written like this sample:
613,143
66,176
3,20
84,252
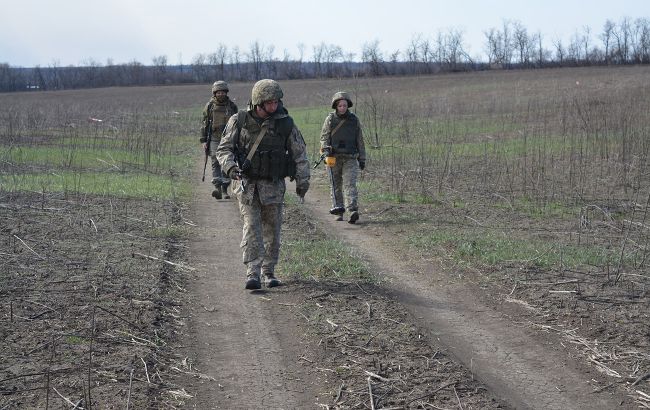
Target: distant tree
200,68
560,52
606,38
159,69
372,57
235,61
522,43
621,34
640,41
319,52
586,41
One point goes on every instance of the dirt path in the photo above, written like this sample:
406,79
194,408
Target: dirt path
524,368
251,353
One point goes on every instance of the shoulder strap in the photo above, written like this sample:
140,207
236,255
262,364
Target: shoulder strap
258,139
337,127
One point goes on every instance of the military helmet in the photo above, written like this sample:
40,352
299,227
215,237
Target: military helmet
341,95
219,86
265,90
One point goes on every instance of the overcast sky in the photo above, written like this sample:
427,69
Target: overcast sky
72,32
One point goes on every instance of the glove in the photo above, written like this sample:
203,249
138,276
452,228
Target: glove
301,189
234,173
362,164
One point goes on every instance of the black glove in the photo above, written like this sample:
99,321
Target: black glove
362,164
234,173
301,189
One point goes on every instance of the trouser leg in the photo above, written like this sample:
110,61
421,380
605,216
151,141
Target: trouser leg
252,243
350,174
271,216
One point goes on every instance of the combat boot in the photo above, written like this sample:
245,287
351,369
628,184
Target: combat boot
253,282
216,193
224,189
271,281
354,217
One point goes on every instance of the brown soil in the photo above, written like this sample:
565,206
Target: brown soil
161,324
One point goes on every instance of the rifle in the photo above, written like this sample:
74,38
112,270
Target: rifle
317,163
207,148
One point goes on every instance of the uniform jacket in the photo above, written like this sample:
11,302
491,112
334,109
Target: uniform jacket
270,192
350,133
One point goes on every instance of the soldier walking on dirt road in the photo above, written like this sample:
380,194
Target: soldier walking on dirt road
342,138
216,113
259,148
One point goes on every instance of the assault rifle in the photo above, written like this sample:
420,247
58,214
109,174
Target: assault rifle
207,149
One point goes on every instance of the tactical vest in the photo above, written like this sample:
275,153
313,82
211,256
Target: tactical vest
344,141
272,159
220,114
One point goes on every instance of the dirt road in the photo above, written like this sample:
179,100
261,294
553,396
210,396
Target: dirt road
251,351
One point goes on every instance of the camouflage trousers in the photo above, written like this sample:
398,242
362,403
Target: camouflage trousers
344,189
218,177
261,235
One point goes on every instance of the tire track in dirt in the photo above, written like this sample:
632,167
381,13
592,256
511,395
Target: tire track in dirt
231,335
511,360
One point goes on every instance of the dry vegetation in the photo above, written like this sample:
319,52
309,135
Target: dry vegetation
532,184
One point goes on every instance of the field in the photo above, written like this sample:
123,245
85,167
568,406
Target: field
532,186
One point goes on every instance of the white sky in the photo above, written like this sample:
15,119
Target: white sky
71,32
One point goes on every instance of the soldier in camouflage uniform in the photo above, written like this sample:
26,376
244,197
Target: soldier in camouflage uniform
259,148
342,138
216,113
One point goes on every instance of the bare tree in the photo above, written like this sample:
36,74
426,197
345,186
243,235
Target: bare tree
621,35
586,41
606,38
560,52
160,68
255,58
200,68
371,55
319,55
522,42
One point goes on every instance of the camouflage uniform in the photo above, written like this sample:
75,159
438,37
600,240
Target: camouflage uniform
348,147
218,110
262,200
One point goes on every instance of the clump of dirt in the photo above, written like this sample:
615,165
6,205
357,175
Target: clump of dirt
89,289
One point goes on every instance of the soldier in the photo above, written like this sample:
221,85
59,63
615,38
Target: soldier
259,148
215,115
342,138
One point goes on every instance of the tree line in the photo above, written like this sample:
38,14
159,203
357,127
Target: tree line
511,45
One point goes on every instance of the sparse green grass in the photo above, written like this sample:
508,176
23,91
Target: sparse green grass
103,184
374,191
497,249
71,157
321,259
310,121
171,231
74,340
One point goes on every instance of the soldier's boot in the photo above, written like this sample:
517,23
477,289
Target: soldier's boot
253,282
271,281
354,217
338,212
216,193
224,189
